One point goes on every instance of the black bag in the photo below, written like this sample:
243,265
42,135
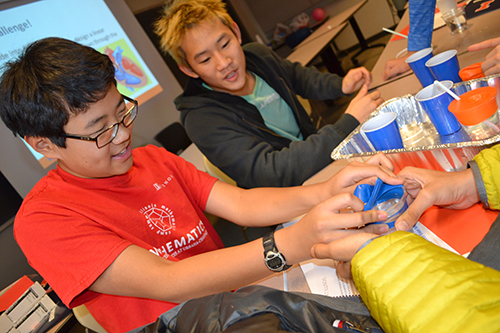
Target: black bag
262,309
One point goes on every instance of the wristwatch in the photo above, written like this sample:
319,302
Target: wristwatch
273,258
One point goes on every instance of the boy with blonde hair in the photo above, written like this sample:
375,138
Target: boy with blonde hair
240,105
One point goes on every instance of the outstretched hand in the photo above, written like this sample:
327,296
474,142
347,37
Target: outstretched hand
356,78
364,104
491,64
425,188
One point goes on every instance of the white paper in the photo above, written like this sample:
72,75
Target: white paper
321,274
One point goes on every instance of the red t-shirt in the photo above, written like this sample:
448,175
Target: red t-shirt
71,229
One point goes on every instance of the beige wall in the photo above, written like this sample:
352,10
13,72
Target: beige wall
260,16
137,6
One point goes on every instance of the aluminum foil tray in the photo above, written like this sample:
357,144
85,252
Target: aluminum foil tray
423,146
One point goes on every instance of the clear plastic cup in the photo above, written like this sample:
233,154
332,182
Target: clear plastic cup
394,207
455,20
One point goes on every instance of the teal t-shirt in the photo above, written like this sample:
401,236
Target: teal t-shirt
274,110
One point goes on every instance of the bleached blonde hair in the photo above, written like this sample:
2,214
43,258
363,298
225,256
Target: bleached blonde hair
181,15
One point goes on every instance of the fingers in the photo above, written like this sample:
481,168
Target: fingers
492,63
364,104
337,204
411,216
389,71
357,172
381,159
362,93
487,44
342,249
394,67
344,270
355,79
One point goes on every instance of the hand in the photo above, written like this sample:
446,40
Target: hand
326,223
354,79
355,173
364,104
454,190
491,64
344,250
396,66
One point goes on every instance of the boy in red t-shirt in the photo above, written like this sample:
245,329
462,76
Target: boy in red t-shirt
122,230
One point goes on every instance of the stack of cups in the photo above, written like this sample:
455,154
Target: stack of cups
435,101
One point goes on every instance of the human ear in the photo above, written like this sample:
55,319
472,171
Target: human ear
188,71
237,32
43,146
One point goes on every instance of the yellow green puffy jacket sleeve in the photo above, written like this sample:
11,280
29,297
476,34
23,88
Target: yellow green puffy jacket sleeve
412,285
488,162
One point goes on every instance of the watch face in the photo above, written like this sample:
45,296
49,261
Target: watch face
274,261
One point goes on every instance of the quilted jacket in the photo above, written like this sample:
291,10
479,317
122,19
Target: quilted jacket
488,162
412,285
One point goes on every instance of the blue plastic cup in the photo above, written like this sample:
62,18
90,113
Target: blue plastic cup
435,100
444,66
459,136
417,64
382,132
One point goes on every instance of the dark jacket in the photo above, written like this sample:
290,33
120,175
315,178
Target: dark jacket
231,133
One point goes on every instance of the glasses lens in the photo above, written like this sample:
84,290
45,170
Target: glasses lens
107,136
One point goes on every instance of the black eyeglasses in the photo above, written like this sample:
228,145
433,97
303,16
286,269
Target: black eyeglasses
105,137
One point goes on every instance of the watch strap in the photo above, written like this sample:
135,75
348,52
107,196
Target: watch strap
271,250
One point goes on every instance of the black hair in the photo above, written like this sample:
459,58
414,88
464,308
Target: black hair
52,79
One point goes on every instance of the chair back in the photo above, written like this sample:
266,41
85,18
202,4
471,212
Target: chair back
173,138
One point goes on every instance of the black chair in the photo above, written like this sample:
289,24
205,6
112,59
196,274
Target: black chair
173,138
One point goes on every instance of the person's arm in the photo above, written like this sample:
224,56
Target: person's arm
408,282
139,273
308,84
491,63
419,36
455,190
281,204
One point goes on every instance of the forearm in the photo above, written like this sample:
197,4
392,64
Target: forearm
138,273
421,24
264,206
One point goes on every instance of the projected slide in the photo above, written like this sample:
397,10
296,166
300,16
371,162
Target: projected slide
88,22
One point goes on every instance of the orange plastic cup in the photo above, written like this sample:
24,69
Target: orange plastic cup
475,106
471,72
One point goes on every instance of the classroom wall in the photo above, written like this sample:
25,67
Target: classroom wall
261,16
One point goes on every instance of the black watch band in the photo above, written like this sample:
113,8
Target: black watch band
273,258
